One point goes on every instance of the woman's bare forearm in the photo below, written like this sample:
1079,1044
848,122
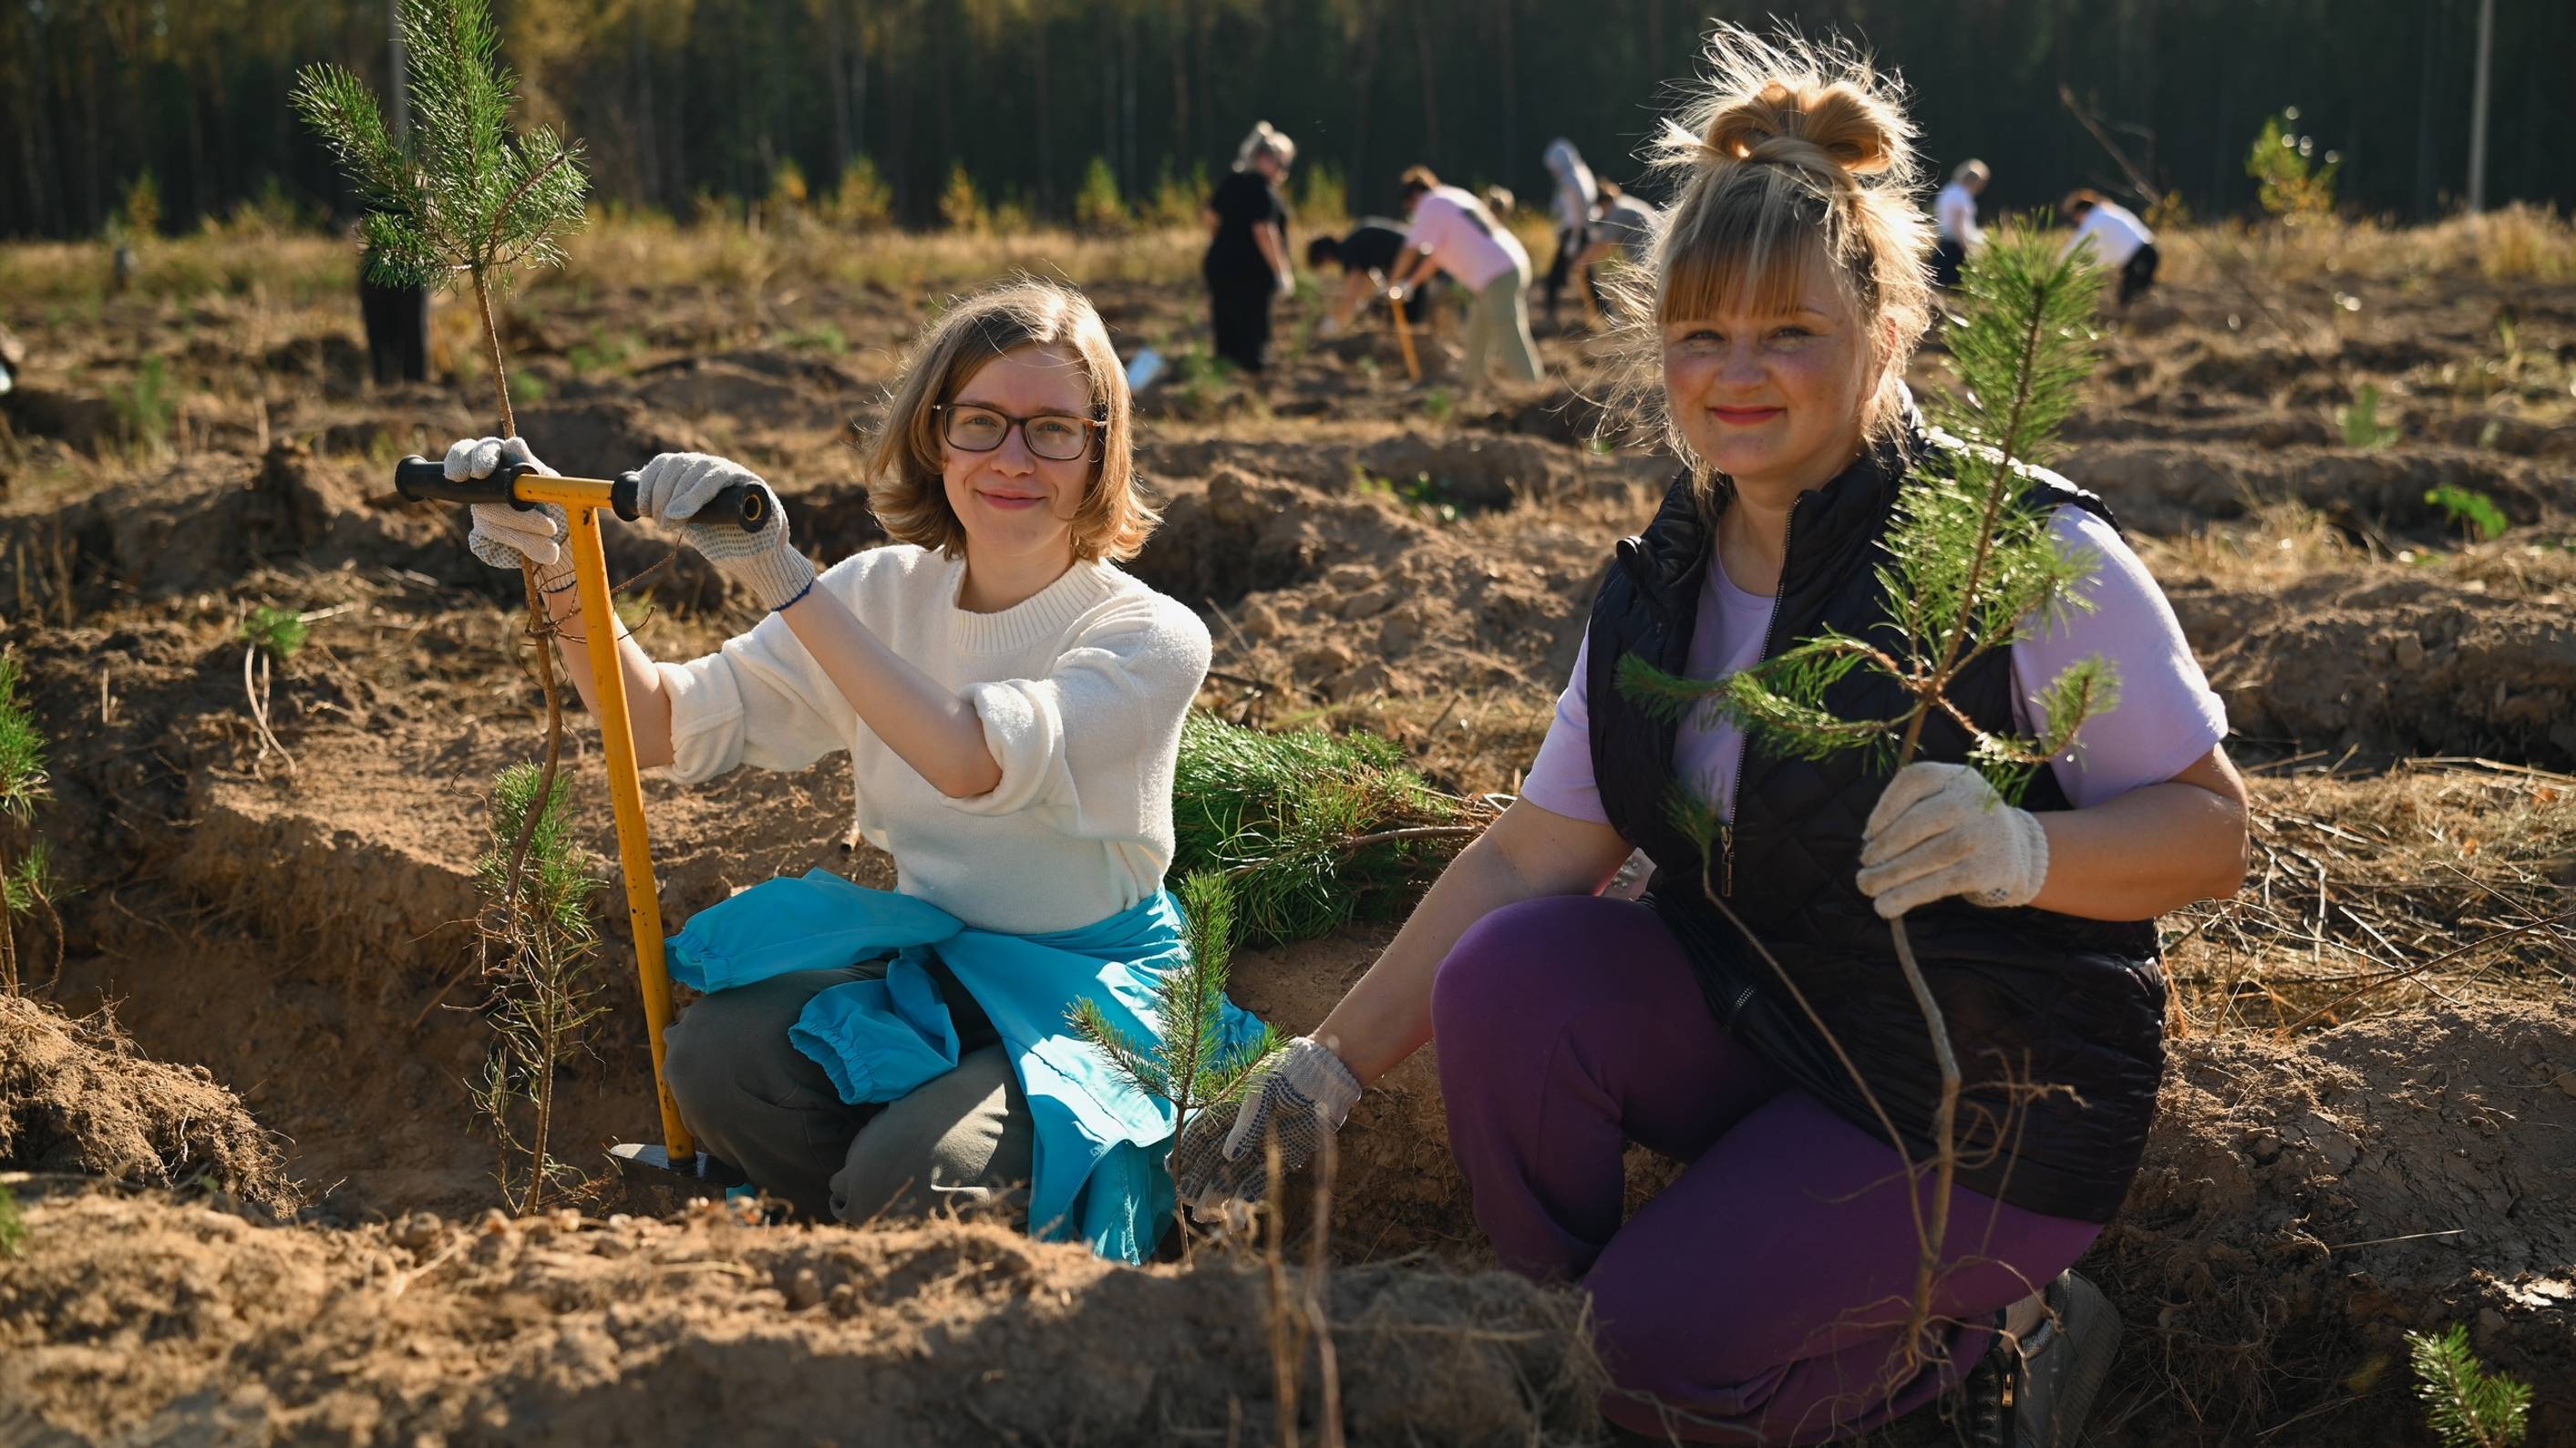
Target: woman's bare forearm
2154,849
648,708
1386,1016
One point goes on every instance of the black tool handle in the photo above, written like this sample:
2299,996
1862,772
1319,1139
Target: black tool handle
424,480
745,503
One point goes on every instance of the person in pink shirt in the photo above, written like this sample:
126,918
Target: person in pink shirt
1766,1295
1452,231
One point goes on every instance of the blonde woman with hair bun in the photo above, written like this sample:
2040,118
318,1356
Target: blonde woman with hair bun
1247,267
1763,1296
1010,702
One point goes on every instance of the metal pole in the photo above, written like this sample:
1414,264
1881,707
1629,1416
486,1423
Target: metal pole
2478,108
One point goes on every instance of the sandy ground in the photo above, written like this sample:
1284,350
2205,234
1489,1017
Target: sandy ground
2367,1124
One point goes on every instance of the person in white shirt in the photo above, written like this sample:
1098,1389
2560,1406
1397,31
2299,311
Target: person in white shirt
1011,703
1576,197
1452,231
1954,219
2119,240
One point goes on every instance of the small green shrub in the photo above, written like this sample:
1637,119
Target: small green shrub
278,631
862,201
961,206
1097,207
2471,511
2360,422
147,406
2296,186
13,1226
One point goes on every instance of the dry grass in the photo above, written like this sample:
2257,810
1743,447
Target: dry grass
2441,879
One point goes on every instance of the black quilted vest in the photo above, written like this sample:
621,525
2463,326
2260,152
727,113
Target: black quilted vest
2031,996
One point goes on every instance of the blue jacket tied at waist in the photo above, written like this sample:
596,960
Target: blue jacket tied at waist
1100,1141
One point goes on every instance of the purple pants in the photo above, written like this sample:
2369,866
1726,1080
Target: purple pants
1762,1296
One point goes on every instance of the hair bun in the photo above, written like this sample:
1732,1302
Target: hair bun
1832,128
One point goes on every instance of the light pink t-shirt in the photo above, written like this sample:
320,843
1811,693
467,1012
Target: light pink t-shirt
1463,238
2167,715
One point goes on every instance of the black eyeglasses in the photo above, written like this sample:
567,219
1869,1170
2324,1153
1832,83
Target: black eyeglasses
1055,436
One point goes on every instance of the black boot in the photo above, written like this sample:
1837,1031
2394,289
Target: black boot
2064,1364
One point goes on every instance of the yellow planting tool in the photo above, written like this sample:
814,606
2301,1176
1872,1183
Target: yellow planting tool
1404,336
581,499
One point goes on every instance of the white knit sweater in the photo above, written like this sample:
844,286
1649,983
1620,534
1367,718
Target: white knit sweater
1081,688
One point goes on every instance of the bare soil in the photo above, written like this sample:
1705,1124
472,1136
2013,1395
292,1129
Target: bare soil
2366,1126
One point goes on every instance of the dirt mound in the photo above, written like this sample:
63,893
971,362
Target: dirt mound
2302,1206
2168,487
1343,595
155,1323
75,1097
2391,660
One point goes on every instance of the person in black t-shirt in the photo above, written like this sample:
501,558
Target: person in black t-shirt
1367,258
1247,256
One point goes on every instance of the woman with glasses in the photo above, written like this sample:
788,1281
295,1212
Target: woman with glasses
1011,703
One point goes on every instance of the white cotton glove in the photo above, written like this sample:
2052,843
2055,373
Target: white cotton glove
674,486
1941,830
1287,284
1300,1093
503,535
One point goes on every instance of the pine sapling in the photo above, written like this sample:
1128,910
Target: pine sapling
273,635
545,992
1193,1066
472,201
13,1226
1969,568
2467,1406
25,861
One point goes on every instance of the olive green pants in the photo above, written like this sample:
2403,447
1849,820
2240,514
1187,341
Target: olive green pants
962,1142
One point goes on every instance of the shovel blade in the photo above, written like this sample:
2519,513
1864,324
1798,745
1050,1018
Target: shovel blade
646,1164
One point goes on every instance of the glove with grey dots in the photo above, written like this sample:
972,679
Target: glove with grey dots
504,535
674,487
1299,1094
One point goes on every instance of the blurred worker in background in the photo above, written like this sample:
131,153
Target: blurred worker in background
1573,203
1954,218
1453,232
1367,257
2119,240
1247,257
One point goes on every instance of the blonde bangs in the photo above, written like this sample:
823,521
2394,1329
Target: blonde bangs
1753,247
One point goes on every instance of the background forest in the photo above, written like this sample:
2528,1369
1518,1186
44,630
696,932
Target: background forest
687,105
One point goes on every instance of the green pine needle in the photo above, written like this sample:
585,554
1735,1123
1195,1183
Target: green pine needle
473,198
279,631
23,780
1275,814
13,1226
2467,1406
556,880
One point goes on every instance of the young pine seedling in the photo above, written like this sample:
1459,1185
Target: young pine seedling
25,876
1193,1066
2466,1406
545,992
1969,568
273,636
472,201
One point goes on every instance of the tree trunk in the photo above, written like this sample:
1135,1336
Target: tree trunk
1182,142
836,77
1037,48
1504,61
1430,92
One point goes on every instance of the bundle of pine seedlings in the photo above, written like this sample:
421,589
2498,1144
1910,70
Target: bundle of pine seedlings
1311,829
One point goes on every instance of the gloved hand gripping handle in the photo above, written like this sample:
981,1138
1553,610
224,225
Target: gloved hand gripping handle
425,480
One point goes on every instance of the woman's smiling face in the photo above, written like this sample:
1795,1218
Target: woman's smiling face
1013,503
1774,396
